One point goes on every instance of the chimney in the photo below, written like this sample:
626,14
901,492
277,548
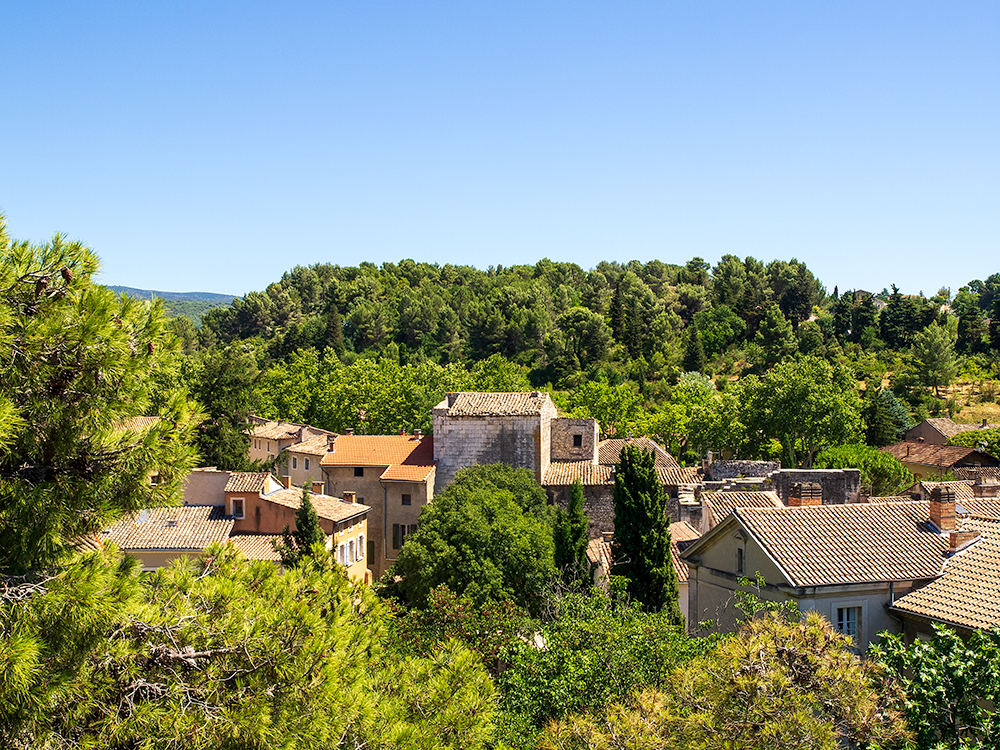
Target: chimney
329,443
804,494
943,509
984,423
418,434
959,540
350,497
286,481
985,487
317,488
349,431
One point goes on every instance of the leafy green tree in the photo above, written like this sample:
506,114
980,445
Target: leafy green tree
641,546
78,365
806,404
570,537
794,288
934,357
719,327
775,336
222,652
952,687
775,684
987,440
488,536
883,472
302,542
615,407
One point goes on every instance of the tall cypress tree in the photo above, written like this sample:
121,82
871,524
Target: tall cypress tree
641,547
298,544
570,536
694,355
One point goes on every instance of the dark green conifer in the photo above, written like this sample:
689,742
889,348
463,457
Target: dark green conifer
570,536
641,547
298,544
694,355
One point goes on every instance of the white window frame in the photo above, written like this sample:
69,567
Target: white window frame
295,462
243,507
362,550
861,640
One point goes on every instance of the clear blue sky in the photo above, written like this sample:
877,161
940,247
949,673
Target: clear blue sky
212,146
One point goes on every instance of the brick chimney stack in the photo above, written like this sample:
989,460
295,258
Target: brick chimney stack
986,487
943,509
804,494
317,488
350,497
330,442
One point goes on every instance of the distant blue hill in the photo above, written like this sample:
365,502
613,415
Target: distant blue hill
223,299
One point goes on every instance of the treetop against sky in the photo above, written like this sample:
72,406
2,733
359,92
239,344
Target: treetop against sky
214,146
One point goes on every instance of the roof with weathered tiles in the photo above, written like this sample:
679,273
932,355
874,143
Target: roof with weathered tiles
599,553
314,446
681,532
977,472
609,451
949,428
246,481
961,487
407,458
330,508
678,476
472,404
968,594
722,503
930,454
187,527
560,473
257,546
981,507
276,430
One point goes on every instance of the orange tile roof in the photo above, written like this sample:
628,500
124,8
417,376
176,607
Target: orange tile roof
562,473
257,546
977,472
471,404
244,481
187,527
883,499
949,428
930,454
723,503
609,451
854,543
681,532
968,594
407,458
330,508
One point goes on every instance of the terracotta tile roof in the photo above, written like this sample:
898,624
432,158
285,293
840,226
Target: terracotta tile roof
610,450
961,488
379,450
853,543
680,533
883,499
187,527
245,481
929,454
470,404
678,476
977,472
257,546
561,473
88,543
408,472
982,507
314,446
968,594
599,553
723,503
330,508
949,429
276,430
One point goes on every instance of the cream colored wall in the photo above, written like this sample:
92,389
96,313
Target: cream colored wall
153,559
205,487
299,473
356,531
396,512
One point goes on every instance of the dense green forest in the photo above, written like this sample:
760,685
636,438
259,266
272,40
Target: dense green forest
744,357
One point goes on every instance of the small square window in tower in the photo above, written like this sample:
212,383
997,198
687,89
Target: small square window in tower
578,441
407,500
359,471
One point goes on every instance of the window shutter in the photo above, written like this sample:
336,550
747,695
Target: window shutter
395,536
371,551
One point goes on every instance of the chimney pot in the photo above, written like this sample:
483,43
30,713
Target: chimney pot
329,444
286,481
317,488
942,513
350,497
805,494
349,431
418,434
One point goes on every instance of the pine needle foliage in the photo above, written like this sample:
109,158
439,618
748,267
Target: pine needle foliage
641,546
295,545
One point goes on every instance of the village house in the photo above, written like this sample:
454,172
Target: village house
392,474
933,461
852,563
939,430
268,438
158,536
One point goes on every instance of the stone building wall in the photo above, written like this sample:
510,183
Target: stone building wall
733,469
839,485
564,429
599,505
521,442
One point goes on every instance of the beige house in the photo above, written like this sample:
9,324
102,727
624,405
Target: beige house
394,475
848,562
158,536
268,438
933,461
303,460
939,430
